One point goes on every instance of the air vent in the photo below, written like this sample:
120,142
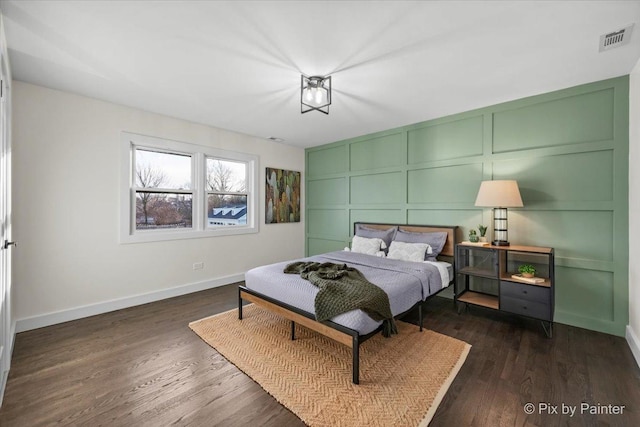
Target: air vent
275,139
616,39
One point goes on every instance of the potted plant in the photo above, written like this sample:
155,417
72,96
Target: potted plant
483,231
473,236
527,270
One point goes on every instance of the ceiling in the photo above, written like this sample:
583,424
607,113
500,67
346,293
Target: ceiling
237,65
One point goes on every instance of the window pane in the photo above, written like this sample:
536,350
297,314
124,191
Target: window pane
163,170
163,211
226,176
226,210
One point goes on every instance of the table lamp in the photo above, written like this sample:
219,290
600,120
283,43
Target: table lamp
499,195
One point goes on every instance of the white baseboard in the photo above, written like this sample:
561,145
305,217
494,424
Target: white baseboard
49,319
634,343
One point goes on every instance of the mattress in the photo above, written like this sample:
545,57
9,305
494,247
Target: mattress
406,283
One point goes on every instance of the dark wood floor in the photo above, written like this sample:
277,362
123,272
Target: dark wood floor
143,366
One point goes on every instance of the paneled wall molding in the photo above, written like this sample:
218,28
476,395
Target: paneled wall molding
569,152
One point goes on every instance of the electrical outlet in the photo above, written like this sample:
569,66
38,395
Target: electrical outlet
198,265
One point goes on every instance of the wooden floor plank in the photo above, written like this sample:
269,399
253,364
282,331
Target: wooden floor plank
144,366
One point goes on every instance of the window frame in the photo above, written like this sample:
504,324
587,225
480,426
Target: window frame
160,190
199,153
209,192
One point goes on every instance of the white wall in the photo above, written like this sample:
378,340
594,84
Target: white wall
633,330
69,263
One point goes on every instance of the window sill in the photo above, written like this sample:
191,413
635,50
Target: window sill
161,236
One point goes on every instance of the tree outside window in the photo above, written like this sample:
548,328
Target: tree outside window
163,190
176,190
226,192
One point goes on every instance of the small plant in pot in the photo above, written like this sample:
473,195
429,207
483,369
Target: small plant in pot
483,231
473,236
527,270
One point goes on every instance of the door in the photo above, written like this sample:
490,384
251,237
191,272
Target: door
6,335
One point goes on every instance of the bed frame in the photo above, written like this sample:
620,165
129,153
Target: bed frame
349,337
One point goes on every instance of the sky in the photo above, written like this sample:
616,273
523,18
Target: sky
178,167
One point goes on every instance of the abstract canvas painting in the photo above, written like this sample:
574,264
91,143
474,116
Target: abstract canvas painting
282,196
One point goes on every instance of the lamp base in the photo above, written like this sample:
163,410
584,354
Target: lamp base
500,243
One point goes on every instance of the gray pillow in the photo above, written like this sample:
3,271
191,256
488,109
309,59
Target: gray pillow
435,239
386,235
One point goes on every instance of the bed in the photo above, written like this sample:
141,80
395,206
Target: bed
407,284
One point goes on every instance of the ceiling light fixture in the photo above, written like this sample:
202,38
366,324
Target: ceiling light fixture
315,94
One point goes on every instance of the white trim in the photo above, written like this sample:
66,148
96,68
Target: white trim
5,375
634,343
198,153
3,385
13,335
7,334
49,319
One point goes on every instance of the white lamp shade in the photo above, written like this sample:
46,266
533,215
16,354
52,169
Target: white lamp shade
500,194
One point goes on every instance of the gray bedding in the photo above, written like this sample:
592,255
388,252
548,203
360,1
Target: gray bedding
405,282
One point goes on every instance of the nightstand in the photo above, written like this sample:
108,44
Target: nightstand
488,276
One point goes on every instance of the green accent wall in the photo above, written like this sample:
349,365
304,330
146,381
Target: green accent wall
567,149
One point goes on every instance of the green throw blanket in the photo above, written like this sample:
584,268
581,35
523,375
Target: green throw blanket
343,289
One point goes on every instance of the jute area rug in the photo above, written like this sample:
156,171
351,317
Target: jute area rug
402,378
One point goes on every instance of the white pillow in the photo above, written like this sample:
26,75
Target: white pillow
408,251
367,246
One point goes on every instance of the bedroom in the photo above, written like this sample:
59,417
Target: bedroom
70,263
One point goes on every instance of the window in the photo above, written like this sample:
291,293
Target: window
164,195
226,192
175,190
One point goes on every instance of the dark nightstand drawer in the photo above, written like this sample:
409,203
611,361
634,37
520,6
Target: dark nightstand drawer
529,308
528,292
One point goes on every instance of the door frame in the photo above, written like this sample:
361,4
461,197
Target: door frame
7,325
